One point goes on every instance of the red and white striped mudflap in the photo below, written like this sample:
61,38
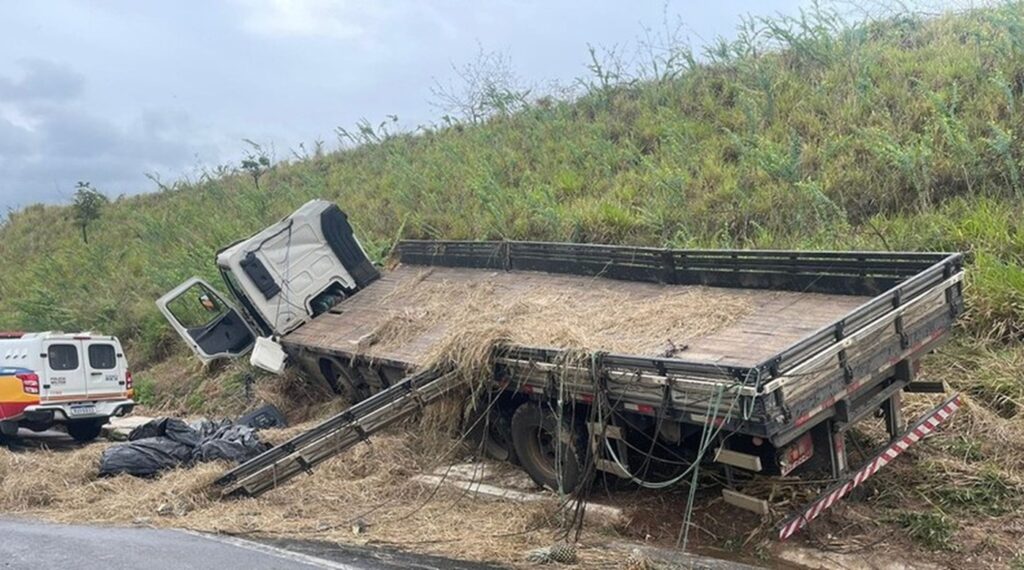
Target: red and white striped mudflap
831,496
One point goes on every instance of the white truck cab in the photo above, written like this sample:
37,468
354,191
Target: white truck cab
277,280
77,380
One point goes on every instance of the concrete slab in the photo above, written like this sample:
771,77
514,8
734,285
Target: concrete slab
859,558
493,482
675,559
119,428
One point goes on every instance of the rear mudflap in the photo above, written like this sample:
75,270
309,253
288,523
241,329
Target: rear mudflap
924,426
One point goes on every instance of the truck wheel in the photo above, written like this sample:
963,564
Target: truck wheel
492,435
339,378
551,451
85,430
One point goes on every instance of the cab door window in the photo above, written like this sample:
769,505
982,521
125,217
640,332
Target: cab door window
197,308
212,327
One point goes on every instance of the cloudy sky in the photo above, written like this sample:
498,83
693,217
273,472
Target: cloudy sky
106,91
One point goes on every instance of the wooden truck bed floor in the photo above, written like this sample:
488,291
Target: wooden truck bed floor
777,319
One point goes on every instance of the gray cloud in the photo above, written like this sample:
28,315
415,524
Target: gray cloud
13,139
50,139
42,80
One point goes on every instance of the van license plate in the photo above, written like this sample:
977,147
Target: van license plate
83,410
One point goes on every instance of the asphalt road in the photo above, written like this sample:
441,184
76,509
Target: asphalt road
26,544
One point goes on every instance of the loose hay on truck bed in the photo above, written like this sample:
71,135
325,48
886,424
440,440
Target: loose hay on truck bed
409,313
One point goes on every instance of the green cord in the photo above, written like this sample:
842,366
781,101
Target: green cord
706,438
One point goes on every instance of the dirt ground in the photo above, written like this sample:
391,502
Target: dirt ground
941,504
370,488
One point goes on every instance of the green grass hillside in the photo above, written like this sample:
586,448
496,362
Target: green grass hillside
812,132
903,134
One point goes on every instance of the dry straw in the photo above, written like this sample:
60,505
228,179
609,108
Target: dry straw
470,315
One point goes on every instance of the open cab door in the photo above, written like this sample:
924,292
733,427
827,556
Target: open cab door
211,326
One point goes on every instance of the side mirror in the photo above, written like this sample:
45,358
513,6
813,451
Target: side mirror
208,303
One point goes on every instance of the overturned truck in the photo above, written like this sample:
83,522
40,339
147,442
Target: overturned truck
815,343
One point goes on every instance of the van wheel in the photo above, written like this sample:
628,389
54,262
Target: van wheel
553,452
8,430
85,430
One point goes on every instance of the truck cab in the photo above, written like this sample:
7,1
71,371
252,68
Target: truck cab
52,378
277,280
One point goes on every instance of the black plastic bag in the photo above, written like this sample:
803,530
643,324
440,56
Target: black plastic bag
231,442
166,443
144,457
171,428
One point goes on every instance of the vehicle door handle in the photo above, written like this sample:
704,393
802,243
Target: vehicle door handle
95,373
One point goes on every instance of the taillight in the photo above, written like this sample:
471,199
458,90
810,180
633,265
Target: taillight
127,380
29,382
796,454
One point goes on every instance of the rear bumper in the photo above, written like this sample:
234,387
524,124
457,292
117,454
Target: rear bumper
61,412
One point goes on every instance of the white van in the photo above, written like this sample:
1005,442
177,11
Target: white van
78,380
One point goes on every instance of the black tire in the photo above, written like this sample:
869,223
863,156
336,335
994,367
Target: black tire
8,430
339,378
84,431
535,431
492,435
